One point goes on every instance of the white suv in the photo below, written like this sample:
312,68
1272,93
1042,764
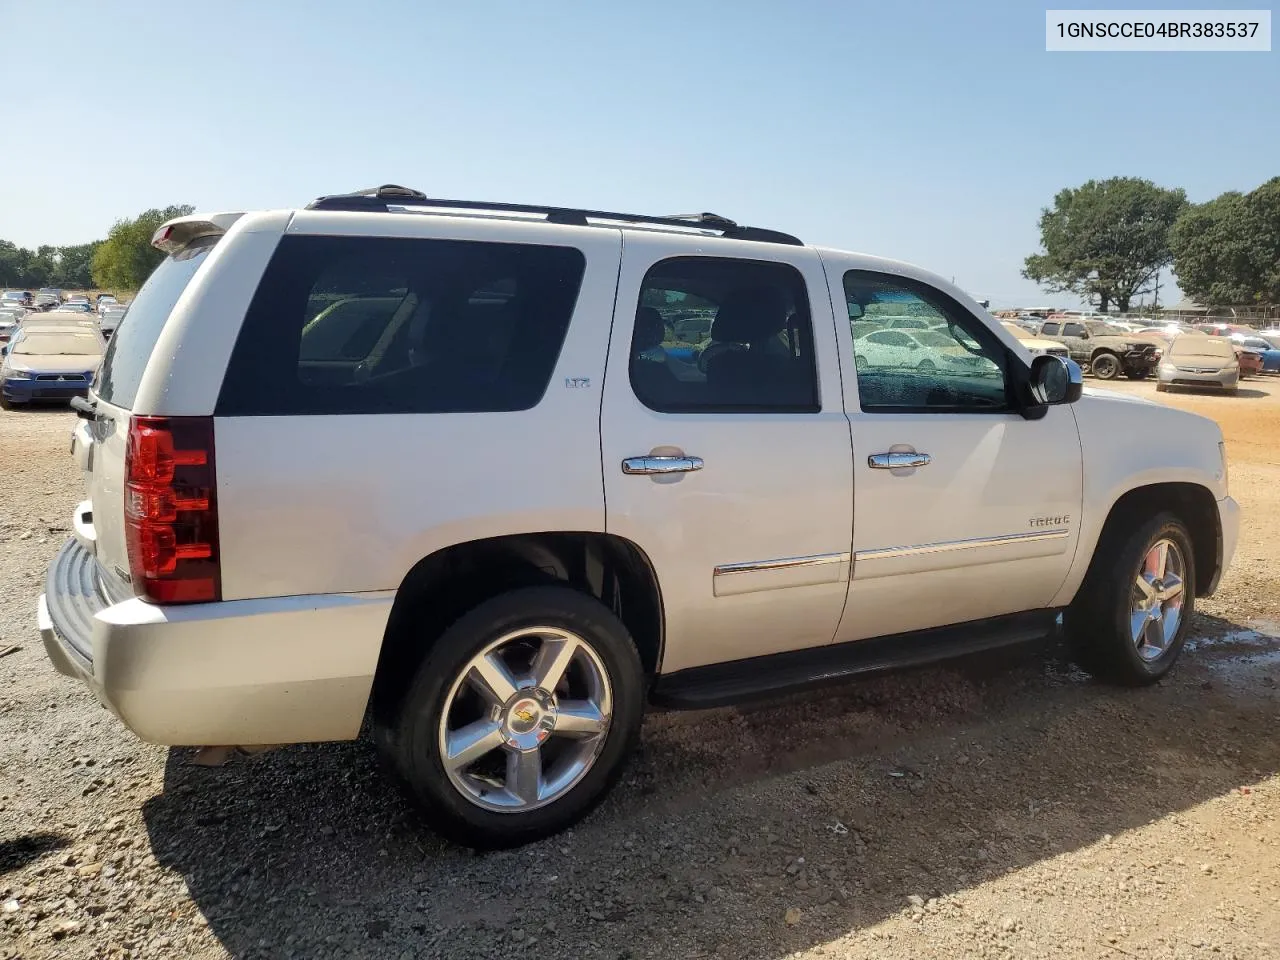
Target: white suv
448,465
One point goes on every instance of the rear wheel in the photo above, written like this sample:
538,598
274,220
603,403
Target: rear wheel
1106,366
520,718
926,366
1128,623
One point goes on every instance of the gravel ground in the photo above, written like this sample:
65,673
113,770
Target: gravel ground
999,808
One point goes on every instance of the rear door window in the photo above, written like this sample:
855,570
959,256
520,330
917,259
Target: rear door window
134,340
351,325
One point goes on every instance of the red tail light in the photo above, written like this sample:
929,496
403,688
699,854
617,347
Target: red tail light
170,509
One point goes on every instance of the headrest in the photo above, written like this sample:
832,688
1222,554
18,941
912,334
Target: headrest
650,330
750,315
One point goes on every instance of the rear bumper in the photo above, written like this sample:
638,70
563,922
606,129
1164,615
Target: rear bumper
280,670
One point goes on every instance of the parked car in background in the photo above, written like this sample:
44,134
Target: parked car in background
1102,348
1200,361
22,297
75,306
49,361
109,318
1035,345
1250,361
1268,352
51,292
105,300
923,350
9,320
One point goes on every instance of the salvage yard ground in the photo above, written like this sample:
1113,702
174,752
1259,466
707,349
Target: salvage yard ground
1001,809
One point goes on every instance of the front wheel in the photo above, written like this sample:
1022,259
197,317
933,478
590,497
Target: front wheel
521,717
1106,366
1128,623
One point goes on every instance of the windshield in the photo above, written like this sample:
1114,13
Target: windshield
1202,347
58,345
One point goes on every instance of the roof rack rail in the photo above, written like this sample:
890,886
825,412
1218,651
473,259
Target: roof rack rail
383,198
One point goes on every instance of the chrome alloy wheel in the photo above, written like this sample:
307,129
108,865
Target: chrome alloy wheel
1158,595
525,719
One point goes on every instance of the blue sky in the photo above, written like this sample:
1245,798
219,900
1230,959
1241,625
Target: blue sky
929,132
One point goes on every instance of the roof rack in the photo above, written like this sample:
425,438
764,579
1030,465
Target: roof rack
387,196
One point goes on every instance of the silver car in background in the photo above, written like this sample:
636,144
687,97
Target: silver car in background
1199,361
109,317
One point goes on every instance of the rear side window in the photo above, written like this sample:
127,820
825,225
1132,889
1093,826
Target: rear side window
1051,329
351,325
724,336
131,345
1074,330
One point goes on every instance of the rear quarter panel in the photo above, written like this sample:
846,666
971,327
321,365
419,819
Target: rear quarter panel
339,504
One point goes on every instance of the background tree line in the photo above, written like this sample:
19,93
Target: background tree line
120,263
1107,241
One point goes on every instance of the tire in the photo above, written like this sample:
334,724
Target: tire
926,366
5,404
1101,620
1139,374
1105,366
859,362
486,814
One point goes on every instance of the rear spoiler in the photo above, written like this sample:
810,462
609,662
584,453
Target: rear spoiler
180,232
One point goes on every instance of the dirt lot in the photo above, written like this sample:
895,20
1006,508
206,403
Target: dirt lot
1001,809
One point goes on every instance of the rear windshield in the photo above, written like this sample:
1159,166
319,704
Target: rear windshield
351,325
131,345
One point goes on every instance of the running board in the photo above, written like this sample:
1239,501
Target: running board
737,681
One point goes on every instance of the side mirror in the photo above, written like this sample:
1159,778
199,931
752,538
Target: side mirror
1055,380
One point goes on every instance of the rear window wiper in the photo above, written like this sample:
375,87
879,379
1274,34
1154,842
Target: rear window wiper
85,408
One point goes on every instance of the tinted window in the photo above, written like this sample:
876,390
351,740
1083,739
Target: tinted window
348,325
1051,329
1073,330
956,364
757,354
131,345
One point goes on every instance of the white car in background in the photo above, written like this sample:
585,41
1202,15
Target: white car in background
922,350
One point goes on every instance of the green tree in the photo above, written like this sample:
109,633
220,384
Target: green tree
1227,251
126,258
74,269
1106,241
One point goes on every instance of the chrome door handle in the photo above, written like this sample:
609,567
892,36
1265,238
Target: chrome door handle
658,465
898,461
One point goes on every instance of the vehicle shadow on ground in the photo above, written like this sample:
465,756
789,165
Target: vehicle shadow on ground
917,785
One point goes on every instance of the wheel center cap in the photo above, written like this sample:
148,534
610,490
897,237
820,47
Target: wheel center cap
528,718
524,716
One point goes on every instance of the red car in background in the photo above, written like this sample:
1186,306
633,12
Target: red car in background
1250,362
